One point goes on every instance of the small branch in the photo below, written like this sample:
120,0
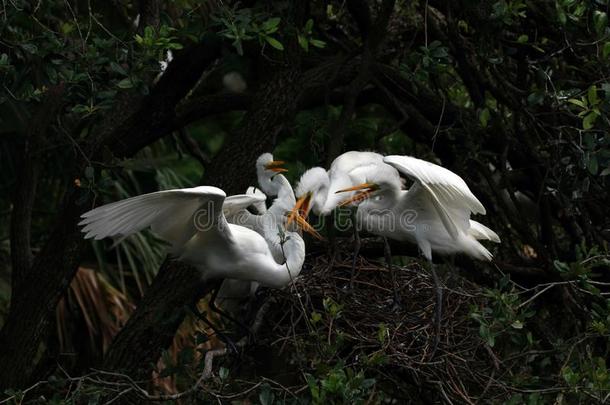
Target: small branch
192,147
360,11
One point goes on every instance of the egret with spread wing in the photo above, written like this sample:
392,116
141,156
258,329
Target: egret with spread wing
317,191
193,222
434,213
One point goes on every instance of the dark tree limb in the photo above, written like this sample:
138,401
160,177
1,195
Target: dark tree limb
133,123
372,42
156,319
25,193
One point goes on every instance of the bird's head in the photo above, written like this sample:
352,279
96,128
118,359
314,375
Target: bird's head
383,183
266,164
267,171
363,192
310,194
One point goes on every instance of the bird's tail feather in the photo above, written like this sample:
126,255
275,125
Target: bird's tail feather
481,232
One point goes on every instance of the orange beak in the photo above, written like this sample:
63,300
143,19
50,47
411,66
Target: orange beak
361,196
300,212
276,166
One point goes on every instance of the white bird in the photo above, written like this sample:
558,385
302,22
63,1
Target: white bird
434,213
317,191
266,222
317,188
193,222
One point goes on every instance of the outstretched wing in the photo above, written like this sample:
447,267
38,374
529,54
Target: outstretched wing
239,202
448,192
261,206
174,215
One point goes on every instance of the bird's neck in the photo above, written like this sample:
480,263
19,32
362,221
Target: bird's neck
271,185
285,197
283,274
338,181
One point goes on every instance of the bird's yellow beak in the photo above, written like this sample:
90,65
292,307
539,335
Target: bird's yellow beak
299,214
276,166
367,188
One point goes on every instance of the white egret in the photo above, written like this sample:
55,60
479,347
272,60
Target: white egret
434,213
193,222
317,190
266,222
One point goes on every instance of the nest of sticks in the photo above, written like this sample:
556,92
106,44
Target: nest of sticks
461,369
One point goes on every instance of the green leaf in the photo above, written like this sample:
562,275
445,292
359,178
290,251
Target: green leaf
271,25
592,165
600,21
125,83
89,172
561,15
149,32
275,43
606,50
66,28
317,43
484,117
592,95
115,67
309,26
517,324
30,48
605,172
580,103
223,373
266,397
303,42
536,98
561,266
522,39
589,120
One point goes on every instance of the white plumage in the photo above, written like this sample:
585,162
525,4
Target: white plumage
193,222
434,213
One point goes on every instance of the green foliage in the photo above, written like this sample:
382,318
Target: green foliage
243,24
305,38
340,386
505,316
508,12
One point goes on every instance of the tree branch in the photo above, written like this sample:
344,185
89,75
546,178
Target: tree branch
371,46
25,193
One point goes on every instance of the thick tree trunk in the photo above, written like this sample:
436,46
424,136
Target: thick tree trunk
134,123
34,300
156,319
232,170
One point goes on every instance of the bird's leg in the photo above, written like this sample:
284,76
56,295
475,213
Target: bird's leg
332,239
438,310
214,308
356,249
224,338
396,303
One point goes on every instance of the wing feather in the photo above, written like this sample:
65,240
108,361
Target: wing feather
169,213
449,194
450,188
239,202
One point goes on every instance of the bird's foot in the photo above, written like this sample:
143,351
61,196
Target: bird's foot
230,345
397,305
